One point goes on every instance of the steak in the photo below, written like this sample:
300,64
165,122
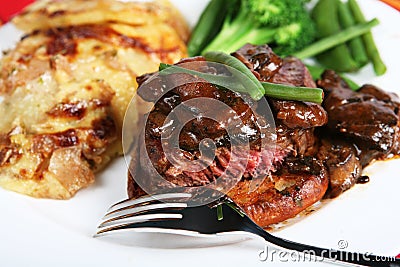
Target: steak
293,137
200,127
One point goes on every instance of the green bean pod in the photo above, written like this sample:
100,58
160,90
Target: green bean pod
284,92
207,27
325,16
369,43
355,45
279,91
333,40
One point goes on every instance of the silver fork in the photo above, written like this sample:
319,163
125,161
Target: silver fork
171,211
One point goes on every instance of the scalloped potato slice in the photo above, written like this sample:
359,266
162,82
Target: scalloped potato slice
65,93
54,13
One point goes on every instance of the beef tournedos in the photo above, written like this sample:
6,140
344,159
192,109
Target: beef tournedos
319,149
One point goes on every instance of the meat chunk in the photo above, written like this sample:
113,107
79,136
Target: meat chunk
297,141
370,116
296,114
260,60
269,67
342,162
293,72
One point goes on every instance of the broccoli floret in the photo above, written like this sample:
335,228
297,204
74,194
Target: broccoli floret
285,25
275,13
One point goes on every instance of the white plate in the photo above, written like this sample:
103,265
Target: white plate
48,232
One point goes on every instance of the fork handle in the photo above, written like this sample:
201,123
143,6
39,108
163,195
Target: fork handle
365,259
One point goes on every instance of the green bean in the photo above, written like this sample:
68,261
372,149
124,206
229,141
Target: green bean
285,92
207,26
279,91
355,45
255,89
327,23
369,43
335,39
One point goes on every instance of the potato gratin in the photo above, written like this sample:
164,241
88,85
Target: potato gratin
66,85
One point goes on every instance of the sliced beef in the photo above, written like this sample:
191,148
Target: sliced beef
297,141
155,85
260,60
298,184
269,67
331,81
393,101
295,120
369,116
362,117
342,162
296,114
293,72
387,97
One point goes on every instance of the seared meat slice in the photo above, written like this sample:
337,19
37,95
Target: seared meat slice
343,165
269,67
392,100
260,60
387,97
297,185
296,114
362,117
331,81
297,141
293,72
369,116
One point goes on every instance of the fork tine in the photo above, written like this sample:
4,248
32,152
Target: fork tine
129,203
135,211
124,222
